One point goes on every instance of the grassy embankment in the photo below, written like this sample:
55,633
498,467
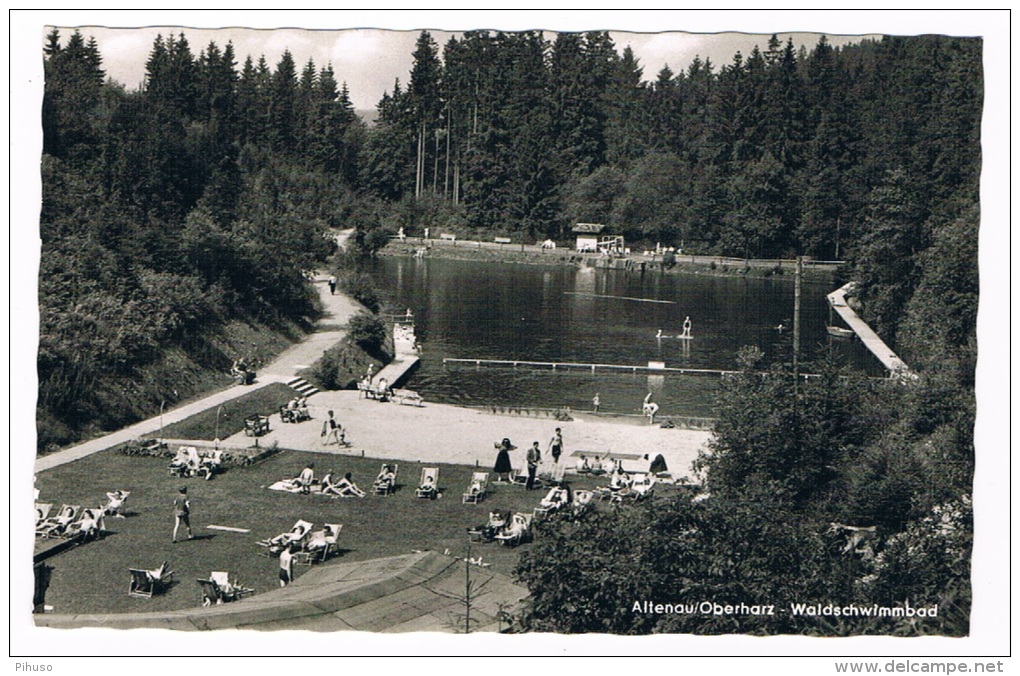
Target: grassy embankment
180,374
93,578
228,419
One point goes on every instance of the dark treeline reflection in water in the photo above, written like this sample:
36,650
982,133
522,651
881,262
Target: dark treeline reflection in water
489,310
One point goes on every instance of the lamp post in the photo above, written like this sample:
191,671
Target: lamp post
161,405
217,440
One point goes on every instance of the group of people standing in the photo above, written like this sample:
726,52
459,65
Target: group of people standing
533,457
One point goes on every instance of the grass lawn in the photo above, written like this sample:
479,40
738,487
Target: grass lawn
93,578
203,426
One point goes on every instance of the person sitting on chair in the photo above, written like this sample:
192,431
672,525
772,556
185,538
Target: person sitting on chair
620,480
428,485
112,508
345,488
385,479
62,520
382,390
284,540
491,527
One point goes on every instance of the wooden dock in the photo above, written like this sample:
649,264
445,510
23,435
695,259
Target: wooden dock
405,355
896,366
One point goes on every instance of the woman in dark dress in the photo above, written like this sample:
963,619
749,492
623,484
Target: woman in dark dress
503,467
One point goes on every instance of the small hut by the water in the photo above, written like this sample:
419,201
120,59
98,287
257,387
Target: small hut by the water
590,237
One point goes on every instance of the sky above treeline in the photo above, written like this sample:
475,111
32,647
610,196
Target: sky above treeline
369,60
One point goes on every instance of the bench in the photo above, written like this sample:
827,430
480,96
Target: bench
367,390
256,425
447,236
502,240
408,397
294,415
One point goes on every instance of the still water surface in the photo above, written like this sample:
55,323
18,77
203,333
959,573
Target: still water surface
487,310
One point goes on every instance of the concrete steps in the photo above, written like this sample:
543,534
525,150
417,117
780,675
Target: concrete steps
302,387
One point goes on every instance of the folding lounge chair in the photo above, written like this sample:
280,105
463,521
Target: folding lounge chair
218,589
477,488
519,476
553,501
89,524
42,513
386,487
428,487
517,532
581,499
642,486
116,501
321,544
298,534
210,463
186,463
145,583
65,516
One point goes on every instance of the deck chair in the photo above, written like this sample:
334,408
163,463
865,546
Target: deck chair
186,463
581,499
428,487
321,544
210,463
116,501
519,476
517,532
642,486
42,513
298,534
145,583
65,516
89,525
387,480
219,589
553,501
476,489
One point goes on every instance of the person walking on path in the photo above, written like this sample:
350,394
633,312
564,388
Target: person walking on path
287,565
595,403
649,408
332,431
332,285
534,457
182,512
503,466
556,445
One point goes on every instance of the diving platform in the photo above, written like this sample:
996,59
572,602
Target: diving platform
405,355
896,366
